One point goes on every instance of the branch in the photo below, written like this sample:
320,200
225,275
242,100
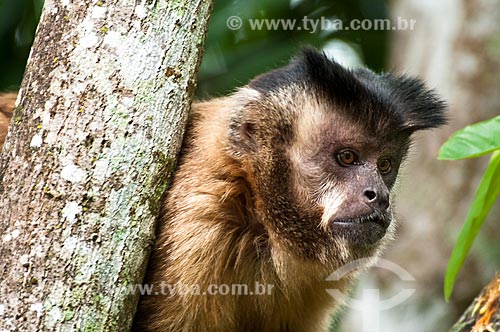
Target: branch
483,315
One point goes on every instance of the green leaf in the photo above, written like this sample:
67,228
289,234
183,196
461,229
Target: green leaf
486,193
472,141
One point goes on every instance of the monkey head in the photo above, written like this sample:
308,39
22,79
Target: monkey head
322,146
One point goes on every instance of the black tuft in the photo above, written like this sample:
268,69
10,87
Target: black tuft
330,79
376,102
312,69
420,107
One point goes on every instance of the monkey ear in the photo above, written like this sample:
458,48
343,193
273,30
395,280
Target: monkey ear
242,138
242,128
420,106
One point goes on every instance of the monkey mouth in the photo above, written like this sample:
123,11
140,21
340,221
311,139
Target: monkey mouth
362,230
383,219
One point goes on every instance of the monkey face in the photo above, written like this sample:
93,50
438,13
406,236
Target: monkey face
321,182
347,173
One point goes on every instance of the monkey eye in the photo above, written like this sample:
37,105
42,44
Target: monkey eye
347,158
384,166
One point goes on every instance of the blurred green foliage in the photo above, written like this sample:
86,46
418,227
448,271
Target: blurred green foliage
231,57
18,20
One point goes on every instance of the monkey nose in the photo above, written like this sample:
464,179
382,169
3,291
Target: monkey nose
378,199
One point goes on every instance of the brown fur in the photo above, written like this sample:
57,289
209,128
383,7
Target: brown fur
210,235
7,101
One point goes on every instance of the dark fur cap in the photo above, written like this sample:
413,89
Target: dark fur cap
377,102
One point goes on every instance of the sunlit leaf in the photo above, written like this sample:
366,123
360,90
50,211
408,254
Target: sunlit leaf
472,141
486,194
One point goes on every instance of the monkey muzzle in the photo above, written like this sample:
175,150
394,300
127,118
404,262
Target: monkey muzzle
361,230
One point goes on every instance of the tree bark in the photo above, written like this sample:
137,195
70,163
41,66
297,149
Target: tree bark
92,141
483,315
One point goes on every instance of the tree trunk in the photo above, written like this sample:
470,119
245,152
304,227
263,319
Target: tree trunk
93,139
483,315
455,47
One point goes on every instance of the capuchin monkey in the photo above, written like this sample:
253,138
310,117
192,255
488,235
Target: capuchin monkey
278,186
